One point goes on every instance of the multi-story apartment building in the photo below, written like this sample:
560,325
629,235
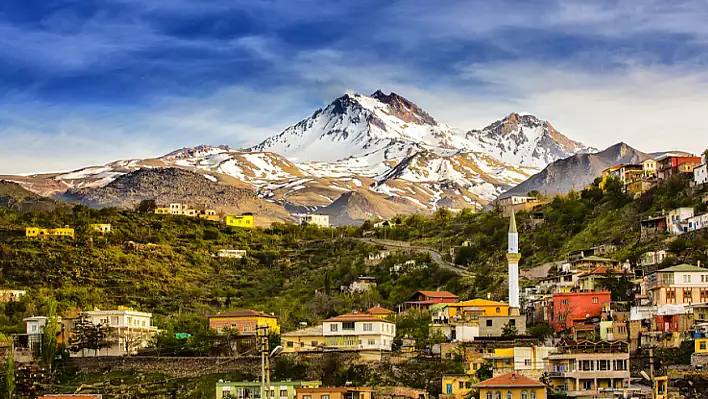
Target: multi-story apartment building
511,386
252,389
334,393
314,219
681,284
700,174
526,360
589,368
567,309
243,321
130,330
670,164
357,332
677,220
309,339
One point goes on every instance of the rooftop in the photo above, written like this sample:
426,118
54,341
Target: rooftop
684,268
594,259
309,331
242,313
438,294
378,310
356,317
510,380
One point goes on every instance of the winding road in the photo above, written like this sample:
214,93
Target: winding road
434,255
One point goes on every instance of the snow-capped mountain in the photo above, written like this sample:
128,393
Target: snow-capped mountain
382,147
525,140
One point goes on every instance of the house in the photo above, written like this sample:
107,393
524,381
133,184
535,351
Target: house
652,258
231,253
680,284
314,219
518,203
103,228
334,393
130,330
362,284
375,258
567,309
358,332
63,232
208,214
670,164
309,339
465,321
589,263
649,167
700,174
587,368
677,220
697,222
511,386
399,393
607,173
562,282
382,313
598,250
243,221
252,389
528,361
34,330
628,172
652,226
8,295
386,223
456,386
243,321
424,299
588,281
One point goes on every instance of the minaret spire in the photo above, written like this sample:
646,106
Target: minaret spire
513,258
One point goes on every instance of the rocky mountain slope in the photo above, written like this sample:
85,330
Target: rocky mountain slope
577,171
382,146
14,196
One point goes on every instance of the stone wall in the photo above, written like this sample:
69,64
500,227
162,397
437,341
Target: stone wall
177,367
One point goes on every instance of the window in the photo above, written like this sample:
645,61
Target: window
497,395
702,345
324,397
703,293
283,393
564,302
687,295
462,384
603,365
372,342
246,328
527,362
348,326
448,389
587,385
620,365
448,355
291,344
333,327
368,327
468,385
498,310
686,278
313,344
306,397
302,344
508,395
533,395
489,323
595,299
524,395
489,395
671,295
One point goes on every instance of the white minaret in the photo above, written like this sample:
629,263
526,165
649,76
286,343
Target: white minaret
513,257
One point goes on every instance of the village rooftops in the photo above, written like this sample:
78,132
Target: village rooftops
510,380
602,270
593,259
439,294
242,313
355,317
684,268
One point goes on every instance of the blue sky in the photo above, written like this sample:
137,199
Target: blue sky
91,81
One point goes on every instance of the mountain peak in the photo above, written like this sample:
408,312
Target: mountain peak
404,109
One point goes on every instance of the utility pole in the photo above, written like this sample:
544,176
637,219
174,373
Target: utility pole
651,373
262,336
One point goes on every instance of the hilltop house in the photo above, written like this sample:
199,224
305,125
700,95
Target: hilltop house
314,219
63,232
243,322
9,295
670,164
358,332
567,309
424,299
243,221
700,174
103,228
130,330
309,339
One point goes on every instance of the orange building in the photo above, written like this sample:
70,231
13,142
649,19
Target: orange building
378,311
334,393
243,321
567,309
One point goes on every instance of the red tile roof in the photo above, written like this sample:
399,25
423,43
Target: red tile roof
356,317
242,313
378,310
438,294
510,380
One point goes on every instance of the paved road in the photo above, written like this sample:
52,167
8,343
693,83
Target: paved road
434,255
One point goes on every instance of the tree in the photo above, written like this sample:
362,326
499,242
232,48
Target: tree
509,330
541,331
10,374
147,206
86,335
484,372
49,336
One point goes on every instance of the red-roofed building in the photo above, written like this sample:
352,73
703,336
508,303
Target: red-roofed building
378,311
668,165
358,332
243,321
511,386
568,309
424,299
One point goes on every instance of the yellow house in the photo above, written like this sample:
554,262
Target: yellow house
243,321
245,221
63,232
162,211
456,386
701,345
511,386
103,228
503,358
306,340
489,308
208,214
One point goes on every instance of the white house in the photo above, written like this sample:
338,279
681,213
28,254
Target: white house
676,220
700,174
314,219
697,222
130,330
11,295
358,332
231,253
362,284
